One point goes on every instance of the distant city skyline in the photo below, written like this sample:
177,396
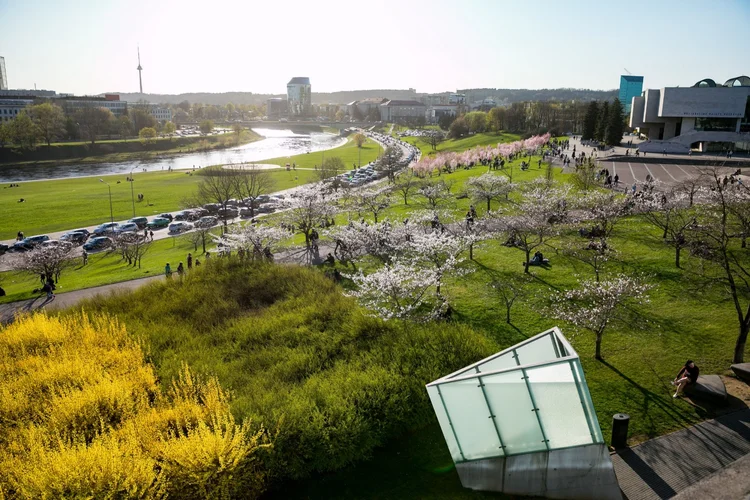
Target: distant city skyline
90,47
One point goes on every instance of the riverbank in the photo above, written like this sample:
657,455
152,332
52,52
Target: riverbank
120,151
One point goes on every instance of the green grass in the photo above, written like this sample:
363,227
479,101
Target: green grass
349,154
106,268
456,145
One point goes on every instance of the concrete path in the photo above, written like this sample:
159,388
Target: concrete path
668,465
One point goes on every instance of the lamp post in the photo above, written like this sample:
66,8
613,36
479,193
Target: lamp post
132,194
111,214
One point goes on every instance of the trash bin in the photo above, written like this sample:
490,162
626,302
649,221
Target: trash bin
620,423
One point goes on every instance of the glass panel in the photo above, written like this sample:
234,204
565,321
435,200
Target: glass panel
587,401
559,404
445,425
537,351
471,419
511,405
499,363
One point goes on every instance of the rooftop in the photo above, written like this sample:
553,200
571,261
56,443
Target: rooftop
300,80
396,102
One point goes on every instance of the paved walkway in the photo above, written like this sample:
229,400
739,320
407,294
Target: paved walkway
668,465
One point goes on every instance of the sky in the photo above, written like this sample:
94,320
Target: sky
90,46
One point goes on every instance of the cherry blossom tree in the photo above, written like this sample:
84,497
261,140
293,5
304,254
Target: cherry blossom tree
309,207
407,183
435,193
602,208
488,187
595,254
258,241
49,261
374,200
594,305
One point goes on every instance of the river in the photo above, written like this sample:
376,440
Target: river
276,143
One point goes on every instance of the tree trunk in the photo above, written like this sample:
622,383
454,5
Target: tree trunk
507,314
739,348
471,251
677,249
488,204
203,240
598,354
526,266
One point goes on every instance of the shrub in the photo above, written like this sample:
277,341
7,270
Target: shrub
81,415
307,362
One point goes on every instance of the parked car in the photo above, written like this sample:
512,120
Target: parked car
3,248
166,216
199,212
158,223
180,227
265,209
182,215
228,213
77,237
29,243
245,212
212,208
106,228
98,244
139,221
128,227
206,222
233,202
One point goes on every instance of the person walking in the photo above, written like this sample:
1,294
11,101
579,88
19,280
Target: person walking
168,270
85,255
180,269
151,233
190,261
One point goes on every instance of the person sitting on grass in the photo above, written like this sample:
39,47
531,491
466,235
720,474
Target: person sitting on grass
688,375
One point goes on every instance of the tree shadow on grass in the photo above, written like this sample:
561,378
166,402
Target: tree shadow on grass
651,398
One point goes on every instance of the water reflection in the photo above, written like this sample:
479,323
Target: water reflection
277,143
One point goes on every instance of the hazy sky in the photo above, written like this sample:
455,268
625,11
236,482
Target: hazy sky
88,46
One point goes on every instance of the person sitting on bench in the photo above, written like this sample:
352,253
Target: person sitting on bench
688,375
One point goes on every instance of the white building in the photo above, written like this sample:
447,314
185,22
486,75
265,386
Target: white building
160,114
436,111
111,102
365,106
401,111
677,119
11,106
3,75
299,96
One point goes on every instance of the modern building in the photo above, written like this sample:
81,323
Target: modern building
160,114
401,111
276,108
299,96
3,75
28,92
436,111
630,86
10,106
704,117
522,422
112,102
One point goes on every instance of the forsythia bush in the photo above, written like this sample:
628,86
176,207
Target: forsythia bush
82,415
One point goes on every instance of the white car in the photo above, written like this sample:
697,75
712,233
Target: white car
180,227
128,227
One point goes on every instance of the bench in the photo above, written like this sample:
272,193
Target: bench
742,370
709,387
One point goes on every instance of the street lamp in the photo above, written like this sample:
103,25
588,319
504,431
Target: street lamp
132,194
111,214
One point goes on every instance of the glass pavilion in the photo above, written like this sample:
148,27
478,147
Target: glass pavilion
526,399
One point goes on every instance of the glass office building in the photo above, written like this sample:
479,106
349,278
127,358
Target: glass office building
630,86
529,399
3,75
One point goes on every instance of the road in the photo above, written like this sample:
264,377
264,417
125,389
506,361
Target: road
9,260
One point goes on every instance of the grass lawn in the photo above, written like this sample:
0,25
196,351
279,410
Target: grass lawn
684,319
105,268
349,154
456,145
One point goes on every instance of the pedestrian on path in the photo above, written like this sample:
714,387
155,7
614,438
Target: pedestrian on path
180,269
168,270
85,257
151,233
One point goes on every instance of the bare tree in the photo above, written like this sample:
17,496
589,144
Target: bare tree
132,247
407,184
510,288
718,229
390,162
252,183
433,138
217,186
330,168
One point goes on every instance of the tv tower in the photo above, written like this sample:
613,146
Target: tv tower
140,68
